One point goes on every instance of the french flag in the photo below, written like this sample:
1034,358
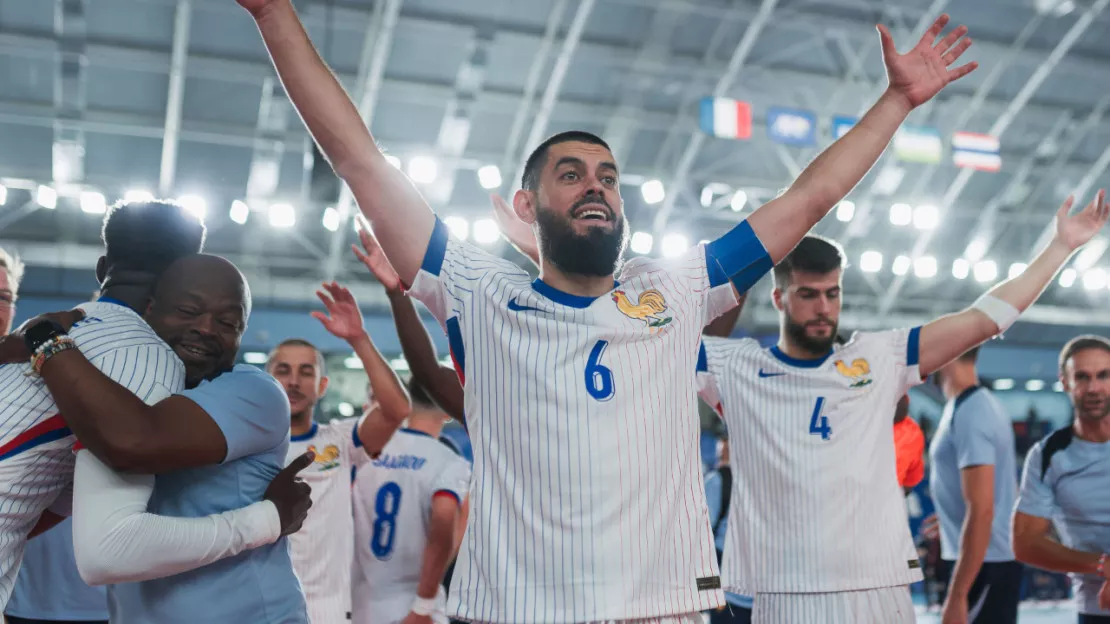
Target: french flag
726,118
976,151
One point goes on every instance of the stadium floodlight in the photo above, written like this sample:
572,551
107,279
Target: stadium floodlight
926,217
739,200
138,195
353,363
46,197
975,250
400,364
254,357
1003,384
1067,278
653,191
331,219
3,194
486,231
239,212
393,160
845,210
641,243
459,226
961,268
93,202
346,410
1016,269
674,245
925,267
1034,385
282,216
1058,386
901,214
985,271
871,262
489,177
423,169
901,265
194,204
1094,279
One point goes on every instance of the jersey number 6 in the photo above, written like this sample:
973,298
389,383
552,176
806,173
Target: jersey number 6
599,379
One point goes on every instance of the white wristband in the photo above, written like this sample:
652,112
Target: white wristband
424,606
1002,313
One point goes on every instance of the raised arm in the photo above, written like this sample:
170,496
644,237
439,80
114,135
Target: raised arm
384,195
344,320
441,382
913,79
947,337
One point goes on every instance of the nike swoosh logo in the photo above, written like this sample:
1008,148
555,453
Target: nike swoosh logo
765,374
516,307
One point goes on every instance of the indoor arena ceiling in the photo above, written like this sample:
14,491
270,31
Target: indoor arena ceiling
178,99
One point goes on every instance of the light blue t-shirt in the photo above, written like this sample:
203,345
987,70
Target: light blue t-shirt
974,430
258,585
49,586
714,495
1070,492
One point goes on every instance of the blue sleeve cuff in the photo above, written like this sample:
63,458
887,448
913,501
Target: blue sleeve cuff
913,347
739,257
703,359
358,440
437,249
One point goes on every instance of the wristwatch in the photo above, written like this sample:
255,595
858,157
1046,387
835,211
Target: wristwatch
41,333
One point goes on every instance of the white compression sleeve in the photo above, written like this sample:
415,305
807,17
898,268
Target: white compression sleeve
115,540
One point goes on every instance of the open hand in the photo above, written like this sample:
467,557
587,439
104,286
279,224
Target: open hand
1078,229
518,233
290,495
921,73
344,319
375,260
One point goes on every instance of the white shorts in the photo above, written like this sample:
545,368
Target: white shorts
684,618
393,609
886,605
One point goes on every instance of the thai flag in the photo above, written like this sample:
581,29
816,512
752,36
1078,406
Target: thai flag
976,151
726,118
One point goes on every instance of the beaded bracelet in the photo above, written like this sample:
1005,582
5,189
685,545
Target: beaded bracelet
49,350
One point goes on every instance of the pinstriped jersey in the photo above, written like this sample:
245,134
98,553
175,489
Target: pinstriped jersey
587,500
36,457
816,505
321,549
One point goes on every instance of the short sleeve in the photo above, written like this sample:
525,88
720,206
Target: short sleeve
905,351
150,372
451,271
1036,496
454,479
972,433
738,257
250,408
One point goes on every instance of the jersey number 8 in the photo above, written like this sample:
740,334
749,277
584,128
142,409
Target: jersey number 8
386,506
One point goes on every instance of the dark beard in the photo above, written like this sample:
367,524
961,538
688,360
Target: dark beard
809,344
598,253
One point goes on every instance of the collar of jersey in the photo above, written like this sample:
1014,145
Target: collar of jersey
786,359
415,432
306,435
564,298
112,301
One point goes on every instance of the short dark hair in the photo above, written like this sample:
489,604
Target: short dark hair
814,254
971,355
530,181
299,342
150,235
418,394
1082,343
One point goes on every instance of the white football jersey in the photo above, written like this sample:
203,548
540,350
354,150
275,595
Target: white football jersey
816,505
393,503
36,447
587,500
321,550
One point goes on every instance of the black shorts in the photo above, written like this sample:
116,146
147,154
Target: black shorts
1093,619
995,593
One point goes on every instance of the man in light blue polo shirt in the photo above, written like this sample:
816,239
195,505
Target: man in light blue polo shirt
974,485
49,589
1065,484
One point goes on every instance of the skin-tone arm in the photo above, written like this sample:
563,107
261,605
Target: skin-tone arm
1033,546
438,551
947,337
344,320
913,79
385,196
977,484
441,382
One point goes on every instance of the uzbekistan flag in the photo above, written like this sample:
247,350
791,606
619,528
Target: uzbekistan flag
976,151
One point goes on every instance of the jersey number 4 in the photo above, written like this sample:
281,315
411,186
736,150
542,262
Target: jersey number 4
386,505
818,423
599,379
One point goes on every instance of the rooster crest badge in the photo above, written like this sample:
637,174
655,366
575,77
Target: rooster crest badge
859,372
649,308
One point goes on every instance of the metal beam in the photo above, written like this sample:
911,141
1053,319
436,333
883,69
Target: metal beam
175,97
1001,124
724,84
555,83
371,74
70,79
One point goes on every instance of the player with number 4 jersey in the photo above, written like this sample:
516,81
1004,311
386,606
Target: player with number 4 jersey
817,529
